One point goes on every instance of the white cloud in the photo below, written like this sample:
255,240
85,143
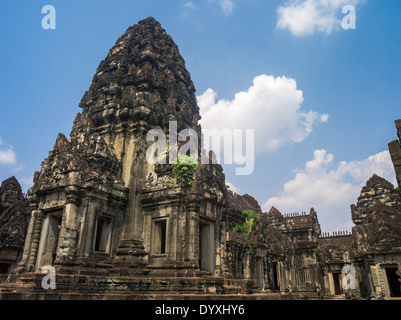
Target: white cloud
227,6
330,187
190,5
27,181
7,156
309,16
271,106
19,168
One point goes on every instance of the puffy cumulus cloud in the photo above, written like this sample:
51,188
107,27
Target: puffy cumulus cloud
271,107
330,187
309,16
7,155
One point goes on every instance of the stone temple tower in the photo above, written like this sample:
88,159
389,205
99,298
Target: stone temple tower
98,203
142,84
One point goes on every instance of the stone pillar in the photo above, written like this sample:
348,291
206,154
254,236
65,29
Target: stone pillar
131,150
284,275
377,289
68,242
326,284
83,230
266,275
219,247
67,245
192,237
37,230
331,284
89,229
133,165
372,277
174,235
28,242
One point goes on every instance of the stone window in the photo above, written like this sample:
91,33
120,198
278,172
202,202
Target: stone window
103,235
4,267
302,236
159,236
304,275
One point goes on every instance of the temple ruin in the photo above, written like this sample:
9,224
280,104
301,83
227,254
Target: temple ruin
14,219
114,226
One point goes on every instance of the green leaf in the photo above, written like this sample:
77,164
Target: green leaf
185,167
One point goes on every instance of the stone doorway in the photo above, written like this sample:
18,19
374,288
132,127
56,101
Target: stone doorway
392,281
276,279
49,239
206,246
337,283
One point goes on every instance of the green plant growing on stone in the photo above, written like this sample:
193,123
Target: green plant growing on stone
249,225
250,249
185,167
316,251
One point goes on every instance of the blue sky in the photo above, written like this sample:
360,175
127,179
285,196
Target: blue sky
343,84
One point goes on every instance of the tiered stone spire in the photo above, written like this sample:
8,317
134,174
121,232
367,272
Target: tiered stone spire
142,82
